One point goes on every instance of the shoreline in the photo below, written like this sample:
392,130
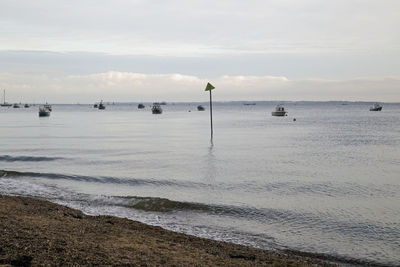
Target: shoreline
39,232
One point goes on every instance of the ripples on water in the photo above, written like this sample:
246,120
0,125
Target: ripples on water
327,183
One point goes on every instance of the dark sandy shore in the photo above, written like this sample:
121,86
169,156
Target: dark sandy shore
37,232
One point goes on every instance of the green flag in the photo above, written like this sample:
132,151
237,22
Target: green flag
209,87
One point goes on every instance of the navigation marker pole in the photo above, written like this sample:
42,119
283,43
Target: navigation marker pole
209,87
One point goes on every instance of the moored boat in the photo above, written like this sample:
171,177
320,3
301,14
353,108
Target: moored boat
200,108
156,109
101,105
44,111
375,107
26,106
140,106
5,104
279,111
16,105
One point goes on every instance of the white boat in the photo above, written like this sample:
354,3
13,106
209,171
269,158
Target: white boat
5,104
375,107
279,111
44,111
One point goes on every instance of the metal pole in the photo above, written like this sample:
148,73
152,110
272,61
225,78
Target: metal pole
211,116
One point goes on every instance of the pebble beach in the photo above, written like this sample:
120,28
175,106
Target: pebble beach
36,232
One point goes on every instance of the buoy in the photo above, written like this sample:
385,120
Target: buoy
294,119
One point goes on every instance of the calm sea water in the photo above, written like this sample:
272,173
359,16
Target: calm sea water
328,182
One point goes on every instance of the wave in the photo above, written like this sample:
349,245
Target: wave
99,179
8,158
325,189
87,202
162,204
158,204
270,215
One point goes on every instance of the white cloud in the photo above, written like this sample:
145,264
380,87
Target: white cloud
126,86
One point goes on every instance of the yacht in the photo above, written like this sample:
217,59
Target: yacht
279,111
16,105
5,104
375,107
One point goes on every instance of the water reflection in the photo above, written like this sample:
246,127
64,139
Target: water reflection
210,167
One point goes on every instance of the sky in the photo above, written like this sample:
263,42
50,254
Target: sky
70,51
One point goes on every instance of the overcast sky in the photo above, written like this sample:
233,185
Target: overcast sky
143,50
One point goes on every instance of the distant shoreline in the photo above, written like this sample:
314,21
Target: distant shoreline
222,102
38,232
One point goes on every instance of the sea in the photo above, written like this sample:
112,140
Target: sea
324,180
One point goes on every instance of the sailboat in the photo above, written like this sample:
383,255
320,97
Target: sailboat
5,104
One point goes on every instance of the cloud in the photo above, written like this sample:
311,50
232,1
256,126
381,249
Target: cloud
200,27
128,86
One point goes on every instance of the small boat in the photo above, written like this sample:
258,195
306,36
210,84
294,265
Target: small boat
156,109
48,106
5,104
16,105
44,112
279,111
375,107
95,106
26,106
140,106
249,104
101,105
200,108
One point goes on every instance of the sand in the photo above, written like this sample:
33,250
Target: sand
37,232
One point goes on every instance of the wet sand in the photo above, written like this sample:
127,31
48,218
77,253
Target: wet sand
37,232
